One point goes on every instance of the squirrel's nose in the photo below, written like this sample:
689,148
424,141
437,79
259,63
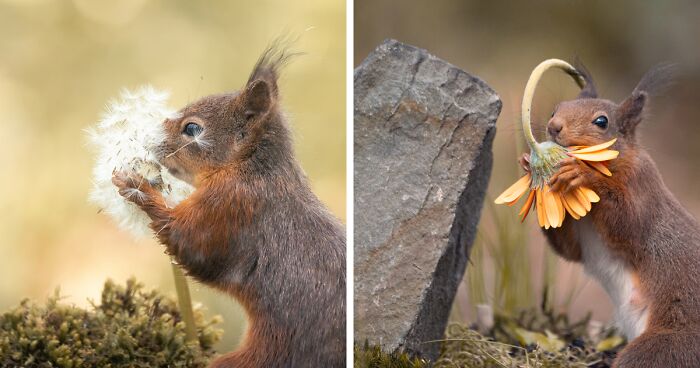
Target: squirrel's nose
554,127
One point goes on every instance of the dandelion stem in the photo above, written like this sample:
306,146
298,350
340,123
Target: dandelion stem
185,302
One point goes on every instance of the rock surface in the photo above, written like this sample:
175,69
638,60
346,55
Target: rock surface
423,133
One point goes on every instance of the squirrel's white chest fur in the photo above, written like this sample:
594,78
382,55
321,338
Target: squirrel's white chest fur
618,281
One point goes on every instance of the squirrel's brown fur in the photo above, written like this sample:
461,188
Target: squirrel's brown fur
253,228
638,219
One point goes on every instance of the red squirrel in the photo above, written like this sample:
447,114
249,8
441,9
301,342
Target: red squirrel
253,228
638,241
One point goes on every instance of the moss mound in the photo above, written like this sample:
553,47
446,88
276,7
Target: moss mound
373,357
131,327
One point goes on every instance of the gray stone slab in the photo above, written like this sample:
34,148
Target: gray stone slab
422,143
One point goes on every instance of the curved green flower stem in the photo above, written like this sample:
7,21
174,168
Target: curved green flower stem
545,156
530,92
185,302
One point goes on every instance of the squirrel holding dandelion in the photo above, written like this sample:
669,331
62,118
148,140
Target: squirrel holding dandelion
252,228
638,240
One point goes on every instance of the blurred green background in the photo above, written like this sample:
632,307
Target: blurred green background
61,61
501,42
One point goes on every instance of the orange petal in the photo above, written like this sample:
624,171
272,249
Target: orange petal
568,208
560,208
582,199
515,191
598,147
590,194
575,205
600,167
596,156
550,206
528,204
539,208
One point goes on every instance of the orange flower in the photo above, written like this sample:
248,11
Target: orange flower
552,207
545,157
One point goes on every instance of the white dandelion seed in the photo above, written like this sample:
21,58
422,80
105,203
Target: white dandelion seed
127,139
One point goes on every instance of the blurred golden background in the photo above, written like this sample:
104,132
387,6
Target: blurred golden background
501,42
61,61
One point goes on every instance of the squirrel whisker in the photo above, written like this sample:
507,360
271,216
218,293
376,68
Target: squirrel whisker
202,142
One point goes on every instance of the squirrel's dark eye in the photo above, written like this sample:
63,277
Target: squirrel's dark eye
192,129
601,122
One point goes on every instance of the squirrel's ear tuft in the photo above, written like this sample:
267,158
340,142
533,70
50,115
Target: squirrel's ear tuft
258,98
656,81
261,89
630,112
272,60
589,90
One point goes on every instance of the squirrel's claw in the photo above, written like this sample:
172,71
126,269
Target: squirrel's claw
524,162
572,174
133,187
123,180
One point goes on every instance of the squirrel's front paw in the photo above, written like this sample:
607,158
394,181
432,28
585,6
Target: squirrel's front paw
572,174
133,187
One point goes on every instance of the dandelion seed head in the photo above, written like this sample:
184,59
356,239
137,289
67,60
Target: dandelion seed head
127,138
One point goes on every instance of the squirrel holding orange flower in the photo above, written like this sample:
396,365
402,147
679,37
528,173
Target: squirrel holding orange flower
252,228
638,241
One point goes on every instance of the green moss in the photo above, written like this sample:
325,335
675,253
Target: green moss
373,357
131,327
